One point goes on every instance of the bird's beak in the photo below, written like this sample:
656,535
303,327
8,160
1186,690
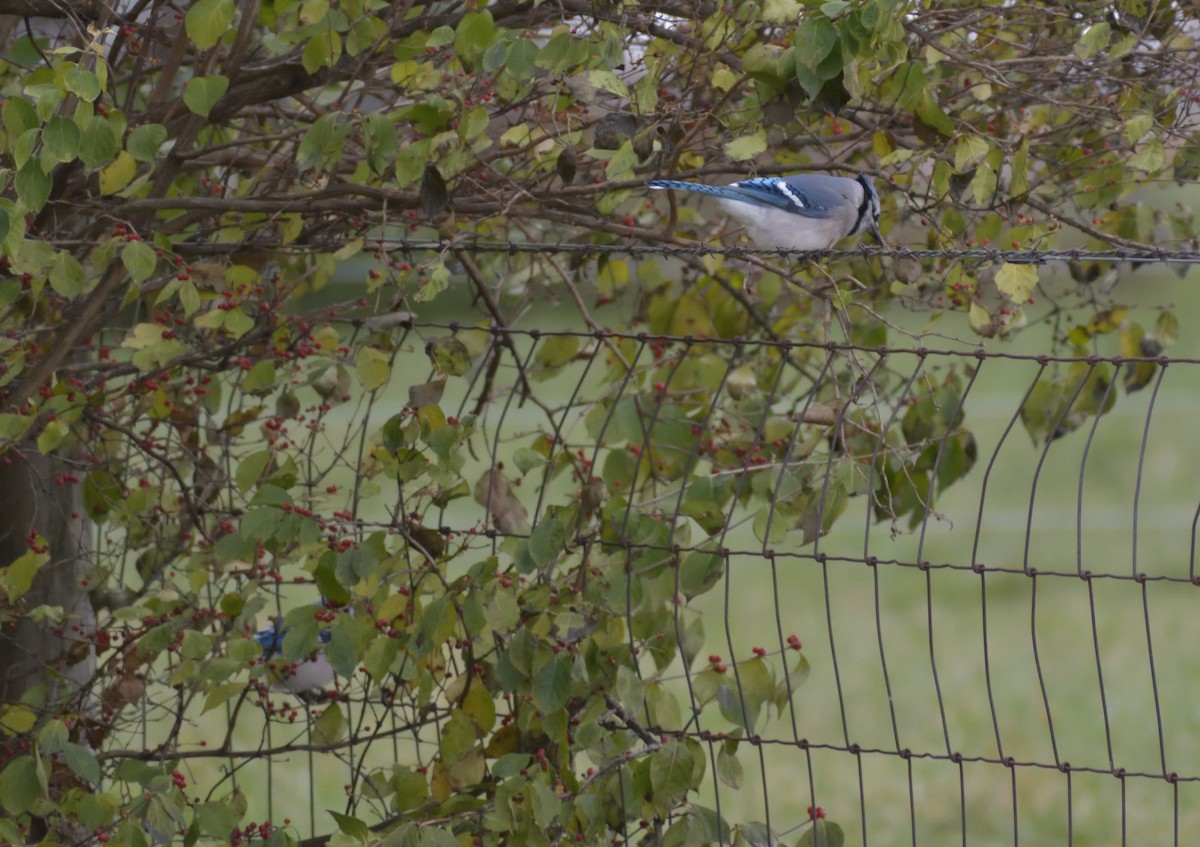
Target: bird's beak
878,235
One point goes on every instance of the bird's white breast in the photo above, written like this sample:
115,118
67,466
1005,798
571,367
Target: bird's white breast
776,228
770,227
304,675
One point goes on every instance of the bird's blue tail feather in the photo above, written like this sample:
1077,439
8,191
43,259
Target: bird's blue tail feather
699,188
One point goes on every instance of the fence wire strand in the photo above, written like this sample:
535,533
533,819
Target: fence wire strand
1134,255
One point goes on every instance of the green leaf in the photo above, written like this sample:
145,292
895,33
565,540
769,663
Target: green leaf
473,37
19,117
448,355
216,819
13,426
622,163
503,612
527,459
606,80
702,570
458,737
671,772
1136,128
1019,183
144,142
61,138
17,578
313,11
260,380
521,58
51,437
99,144
364,34
556,351
547,542
747,147
822,833
19,785
783,11
202,93
195,645
729,769
66,274
1094,40
82,761
139,259
207,21
344,650
1016,282
373,368
983,184
815,39
322,143
552,685
351,826
33,186
331,726
931,114
82,83
322,50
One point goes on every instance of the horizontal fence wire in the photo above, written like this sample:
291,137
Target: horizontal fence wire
1136,255
786,345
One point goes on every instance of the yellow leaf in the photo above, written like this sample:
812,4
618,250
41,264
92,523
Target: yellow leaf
723,78
1016,282
290,227
143,335
1150,158
747,147
981,321
690,318
327,339
373,368
969,151
17,720
1107,321
119,174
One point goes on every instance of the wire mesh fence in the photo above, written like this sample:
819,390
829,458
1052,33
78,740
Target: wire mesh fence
936,594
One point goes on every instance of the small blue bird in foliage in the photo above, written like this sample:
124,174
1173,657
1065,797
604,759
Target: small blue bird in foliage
798,212
305,676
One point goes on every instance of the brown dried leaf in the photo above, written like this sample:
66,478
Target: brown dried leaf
494,494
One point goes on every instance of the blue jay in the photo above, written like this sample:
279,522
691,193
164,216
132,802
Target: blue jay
797,212
306,675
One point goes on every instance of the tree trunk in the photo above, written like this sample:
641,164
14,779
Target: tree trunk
32,656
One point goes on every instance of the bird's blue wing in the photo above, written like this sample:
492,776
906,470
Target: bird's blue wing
811,195
270,639
788,194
